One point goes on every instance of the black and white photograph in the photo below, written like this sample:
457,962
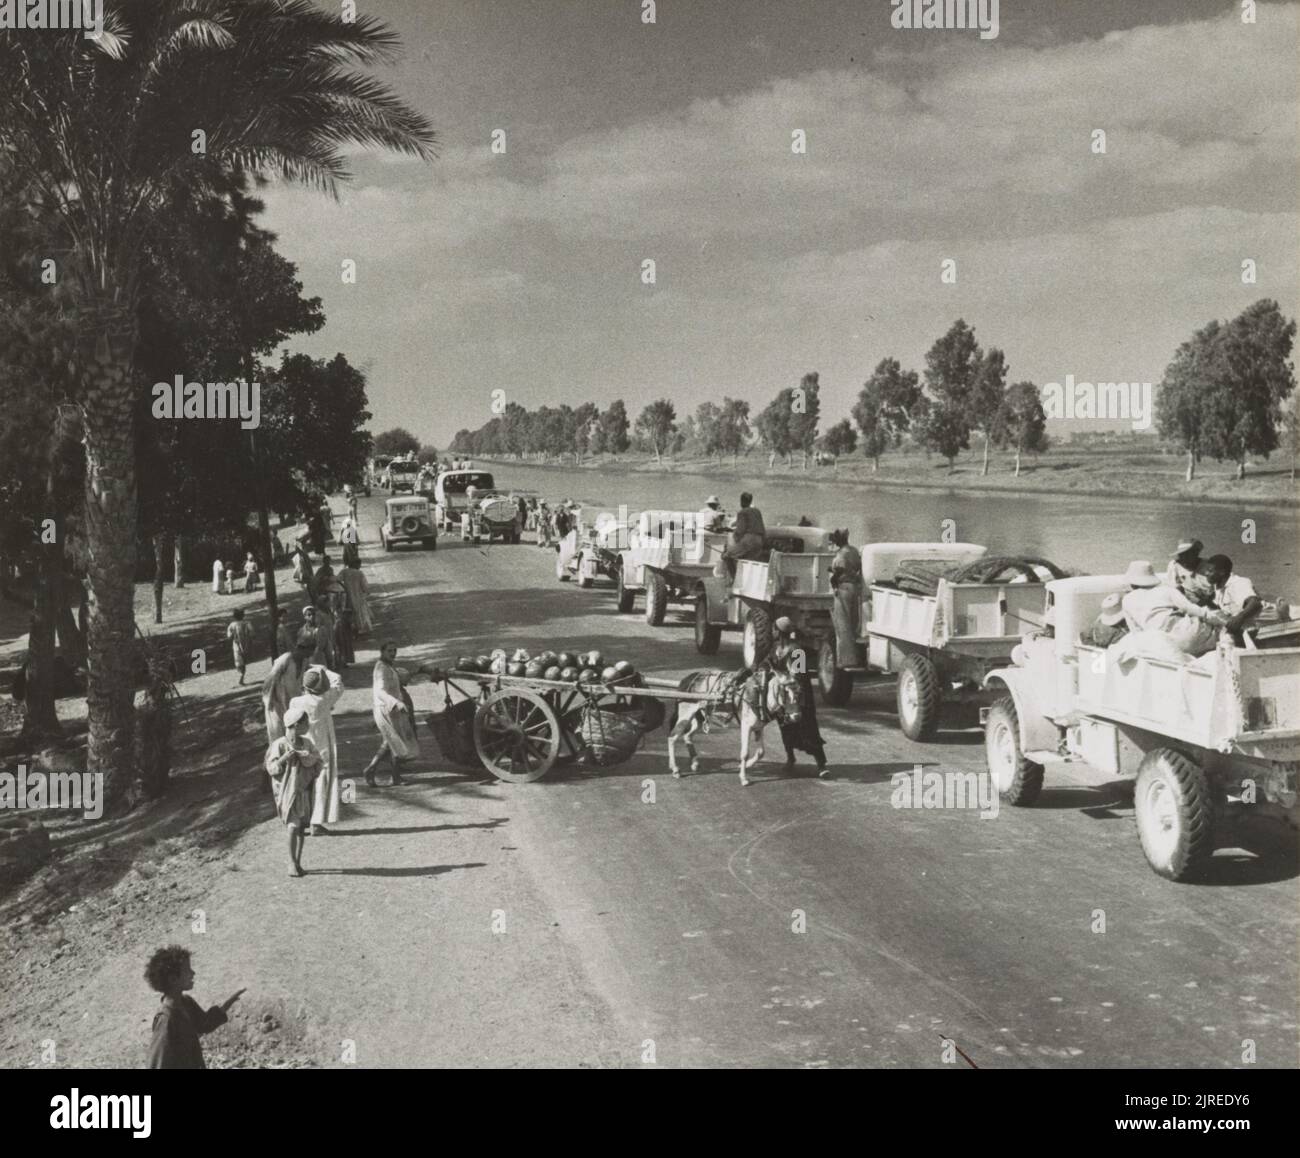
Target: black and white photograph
714,535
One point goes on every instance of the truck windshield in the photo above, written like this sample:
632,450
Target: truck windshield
456,484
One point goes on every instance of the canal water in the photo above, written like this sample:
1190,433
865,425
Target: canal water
1097,535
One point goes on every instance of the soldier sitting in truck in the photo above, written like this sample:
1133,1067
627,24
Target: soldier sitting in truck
747,534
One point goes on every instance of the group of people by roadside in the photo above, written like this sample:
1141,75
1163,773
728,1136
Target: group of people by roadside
1189,605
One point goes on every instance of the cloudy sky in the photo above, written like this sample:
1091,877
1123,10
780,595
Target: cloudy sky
672,142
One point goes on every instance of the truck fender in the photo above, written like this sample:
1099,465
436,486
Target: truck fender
1037,732
718,593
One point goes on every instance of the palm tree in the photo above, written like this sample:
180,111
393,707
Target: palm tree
175,93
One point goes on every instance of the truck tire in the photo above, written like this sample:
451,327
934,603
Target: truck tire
1018,780
1175,806
757,640
837,684
919,698
707,635
656,598
626,598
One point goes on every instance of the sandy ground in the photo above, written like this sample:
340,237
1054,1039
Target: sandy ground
621,918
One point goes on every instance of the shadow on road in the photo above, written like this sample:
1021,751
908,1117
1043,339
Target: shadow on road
433,870
409,829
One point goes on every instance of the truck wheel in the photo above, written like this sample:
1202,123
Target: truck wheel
626,598
757,640
837,684
656,598
918,698
1175,807
707,635
1018,780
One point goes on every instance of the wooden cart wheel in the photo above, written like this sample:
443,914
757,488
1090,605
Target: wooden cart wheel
517,735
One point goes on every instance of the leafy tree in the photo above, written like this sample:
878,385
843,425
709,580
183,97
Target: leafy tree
268,83
774,425
706,428
840,440
611,434
656,425
396,442
1022,424
885,408
952,368
986,397
1243,410
733,427
427,455
805,411
514,429
586,418
1189,378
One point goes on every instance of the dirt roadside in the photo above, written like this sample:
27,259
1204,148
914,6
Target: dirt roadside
417,939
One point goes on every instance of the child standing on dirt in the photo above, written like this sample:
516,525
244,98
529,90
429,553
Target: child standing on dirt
230,578
293,763
180,1022
240,634
250,573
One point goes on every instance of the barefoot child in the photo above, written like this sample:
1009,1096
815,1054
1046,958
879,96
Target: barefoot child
293,763
178,1025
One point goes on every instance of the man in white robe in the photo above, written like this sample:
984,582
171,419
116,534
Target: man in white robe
358,589
392,717
282,684
321,689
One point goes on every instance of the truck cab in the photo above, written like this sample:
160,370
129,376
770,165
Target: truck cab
402,475
450,496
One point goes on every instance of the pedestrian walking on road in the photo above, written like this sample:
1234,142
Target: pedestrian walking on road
240,633
321,690
350,537
392,717
790,656
284,683
181,1021
358,589
283,636
293,763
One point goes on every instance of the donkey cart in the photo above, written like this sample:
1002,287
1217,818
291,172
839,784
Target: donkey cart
520,727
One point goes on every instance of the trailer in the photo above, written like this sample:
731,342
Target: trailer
666,558
520,727
1205,739
590,551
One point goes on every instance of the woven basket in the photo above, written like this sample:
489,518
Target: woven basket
610,736
453,728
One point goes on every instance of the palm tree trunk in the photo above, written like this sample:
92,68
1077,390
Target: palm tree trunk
1017,462
1191,466
1241,470
110,513
178,561
159,560
984,470
40,717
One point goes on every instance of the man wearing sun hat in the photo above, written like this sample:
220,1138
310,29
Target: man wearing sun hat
709,517
321,690
1109,626
1184,572
1154,605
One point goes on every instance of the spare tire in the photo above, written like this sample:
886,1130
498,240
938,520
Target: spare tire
410,525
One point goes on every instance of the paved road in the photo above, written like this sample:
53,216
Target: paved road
810,923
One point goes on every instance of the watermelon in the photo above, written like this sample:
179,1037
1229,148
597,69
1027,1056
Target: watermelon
569,674
520,656
588,675
566,659
484,662
534,670
609,675
515,668
551,673
623,669
467,663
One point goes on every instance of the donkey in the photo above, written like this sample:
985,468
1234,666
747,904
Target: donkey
745,698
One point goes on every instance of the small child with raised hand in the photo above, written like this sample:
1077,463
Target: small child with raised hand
293,763
180,1022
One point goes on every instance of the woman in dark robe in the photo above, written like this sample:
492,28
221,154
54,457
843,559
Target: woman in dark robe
790,656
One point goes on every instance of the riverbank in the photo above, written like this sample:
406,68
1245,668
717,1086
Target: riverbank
1088,473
